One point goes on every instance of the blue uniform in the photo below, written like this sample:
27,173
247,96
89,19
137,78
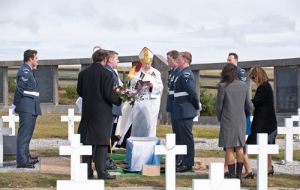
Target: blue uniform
185,106
242,77
27,102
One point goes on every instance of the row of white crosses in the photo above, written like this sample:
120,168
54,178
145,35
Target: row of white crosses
289,131
216,175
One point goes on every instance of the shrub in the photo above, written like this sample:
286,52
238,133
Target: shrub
71,92
208,101
11,85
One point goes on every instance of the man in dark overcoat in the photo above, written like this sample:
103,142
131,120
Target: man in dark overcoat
95,86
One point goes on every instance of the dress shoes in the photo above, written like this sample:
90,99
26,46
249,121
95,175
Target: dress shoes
33,157
32,161
26,166
110,165
107,176
183,168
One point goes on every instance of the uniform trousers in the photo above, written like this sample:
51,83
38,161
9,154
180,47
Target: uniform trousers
184,131
27,125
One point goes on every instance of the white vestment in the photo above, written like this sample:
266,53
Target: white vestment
143,115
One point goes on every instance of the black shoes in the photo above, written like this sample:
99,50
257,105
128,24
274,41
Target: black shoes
26,166
249,175
110,165
183,168
271,172
107,176
32,161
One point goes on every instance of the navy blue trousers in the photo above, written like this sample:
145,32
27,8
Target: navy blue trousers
184,131
27,125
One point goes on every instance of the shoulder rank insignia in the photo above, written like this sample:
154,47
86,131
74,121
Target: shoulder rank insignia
24,79
26,71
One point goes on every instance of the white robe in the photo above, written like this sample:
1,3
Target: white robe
143,115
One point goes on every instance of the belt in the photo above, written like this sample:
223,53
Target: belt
32,93
171,92
179,94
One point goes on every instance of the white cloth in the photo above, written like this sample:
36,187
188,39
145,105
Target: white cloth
143,115
140,151
79,104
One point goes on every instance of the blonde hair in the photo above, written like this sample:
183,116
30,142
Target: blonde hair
258,75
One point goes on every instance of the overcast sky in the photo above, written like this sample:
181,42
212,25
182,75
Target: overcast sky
209,29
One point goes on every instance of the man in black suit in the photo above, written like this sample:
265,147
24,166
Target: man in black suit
95,86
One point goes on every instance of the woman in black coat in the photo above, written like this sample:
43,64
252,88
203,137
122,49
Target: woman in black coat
264,118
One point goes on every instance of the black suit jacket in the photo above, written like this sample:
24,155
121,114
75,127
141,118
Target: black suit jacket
95,86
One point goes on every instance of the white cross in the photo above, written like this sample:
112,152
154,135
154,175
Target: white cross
262,149
170,150
71,119
78,170
3,131
297,118
11,119
216,180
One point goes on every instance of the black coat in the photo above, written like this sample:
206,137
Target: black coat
264,117
95,86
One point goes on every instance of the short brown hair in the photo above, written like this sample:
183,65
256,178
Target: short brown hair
111,53
258,74
187,55
100,55
234,55
173,53
30,53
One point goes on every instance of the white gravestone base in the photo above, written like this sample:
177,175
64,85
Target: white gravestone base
216,180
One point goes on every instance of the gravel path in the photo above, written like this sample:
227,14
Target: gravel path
201,143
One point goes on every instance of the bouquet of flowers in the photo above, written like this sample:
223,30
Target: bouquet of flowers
126,94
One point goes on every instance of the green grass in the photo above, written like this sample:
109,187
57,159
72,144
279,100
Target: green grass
30,180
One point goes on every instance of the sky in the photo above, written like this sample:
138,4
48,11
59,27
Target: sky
209,29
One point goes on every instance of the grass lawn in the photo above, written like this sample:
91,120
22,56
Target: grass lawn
29,180
50,126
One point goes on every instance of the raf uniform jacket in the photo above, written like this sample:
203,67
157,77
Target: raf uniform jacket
95,86
186,101
116,110
171,78
26,98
